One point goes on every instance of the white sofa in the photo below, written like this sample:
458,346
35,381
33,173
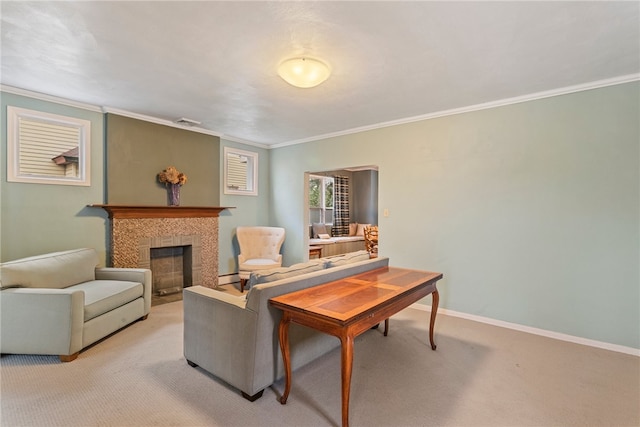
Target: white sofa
61,302
236,338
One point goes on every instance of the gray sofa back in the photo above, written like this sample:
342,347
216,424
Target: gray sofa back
306,344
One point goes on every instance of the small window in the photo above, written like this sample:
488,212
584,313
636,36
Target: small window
320,199
44,148
240,172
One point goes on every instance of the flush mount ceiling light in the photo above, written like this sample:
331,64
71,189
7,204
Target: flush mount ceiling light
304,72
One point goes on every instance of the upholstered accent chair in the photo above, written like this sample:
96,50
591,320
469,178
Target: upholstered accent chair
259,250
371,240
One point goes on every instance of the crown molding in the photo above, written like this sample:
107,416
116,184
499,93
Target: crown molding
244,141
477,107
50,98
158,121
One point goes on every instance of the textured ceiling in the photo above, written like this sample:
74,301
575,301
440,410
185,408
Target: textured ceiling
215,62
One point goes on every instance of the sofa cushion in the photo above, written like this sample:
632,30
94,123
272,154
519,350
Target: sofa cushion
266,276
54,270
259,264
101,296
346,258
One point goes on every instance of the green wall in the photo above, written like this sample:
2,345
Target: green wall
531,210
138,150
39,218
248,210
36,218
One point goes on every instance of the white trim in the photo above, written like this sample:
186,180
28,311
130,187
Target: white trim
50,98
158,121
477,107
228,278
244,141
251,175
81,129
535,331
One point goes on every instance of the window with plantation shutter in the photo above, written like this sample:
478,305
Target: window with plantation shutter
240,172
237,171
46,148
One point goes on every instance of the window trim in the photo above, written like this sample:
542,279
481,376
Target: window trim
252,172
323,209
83,127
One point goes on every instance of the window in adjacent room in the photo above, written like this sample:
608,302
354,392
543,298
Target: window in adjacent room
320,199
44,148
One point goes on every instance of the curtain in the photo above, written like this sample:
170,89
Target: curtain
340,206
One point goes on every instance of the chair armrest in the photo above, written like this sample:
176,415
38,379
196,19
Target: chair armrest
41,321
140,275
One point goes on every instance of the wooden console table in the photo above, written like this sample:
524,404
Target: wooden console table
348,307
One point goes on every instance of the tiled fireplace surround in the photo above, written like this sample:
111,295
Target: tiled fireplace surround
137,229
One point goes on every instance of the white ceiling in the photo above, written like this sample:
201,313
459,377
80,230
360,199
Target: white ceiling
215,62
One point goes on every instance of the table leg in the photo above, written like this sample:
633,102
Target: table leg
347,365
283,334
435,300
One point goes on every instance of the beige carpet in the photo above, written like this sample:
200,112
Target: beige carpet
480,375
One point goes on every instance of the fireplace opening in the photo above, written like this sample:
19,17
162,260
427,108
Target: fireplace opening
172,270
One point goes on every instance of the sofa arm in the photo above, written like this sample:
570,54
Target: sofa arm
140,275
219,335
41,321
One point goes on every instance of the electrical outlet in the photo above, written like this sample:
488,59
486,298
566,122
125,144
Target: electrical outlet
385,213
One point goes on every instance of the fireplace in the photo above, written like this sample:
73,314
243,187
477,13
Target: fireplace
187,233
171,268
175,262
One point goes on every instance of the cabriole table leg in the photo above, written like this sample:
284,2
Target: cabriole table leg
435,300
283,333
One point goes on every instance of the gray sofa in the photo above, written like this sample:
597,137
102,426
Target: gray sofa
236,338
61,302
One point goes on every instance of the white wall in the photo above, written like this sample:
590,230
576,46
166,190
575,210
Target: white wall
531,211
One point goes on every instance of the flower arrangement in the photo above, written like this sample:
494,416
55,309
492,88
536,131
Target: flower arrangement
171,175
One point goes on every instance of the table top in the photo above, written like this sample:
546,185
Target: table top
351,296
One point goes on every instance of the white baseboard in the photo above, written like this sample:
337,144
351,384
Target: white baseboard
234,278
228,278
542,332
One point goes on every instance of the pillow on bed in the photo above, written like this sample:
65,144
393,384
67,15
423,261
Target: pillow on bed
319,229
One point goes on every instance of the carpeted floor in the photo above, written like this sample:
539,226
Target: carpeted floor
480,375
